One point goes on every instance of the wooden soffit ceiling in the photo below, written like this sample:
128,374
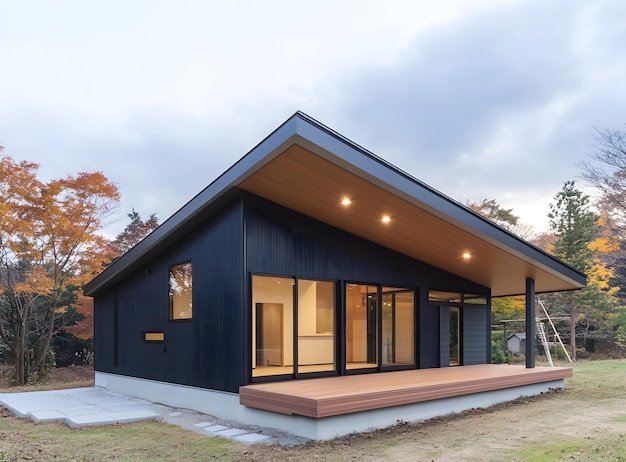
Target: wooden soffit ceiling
314,186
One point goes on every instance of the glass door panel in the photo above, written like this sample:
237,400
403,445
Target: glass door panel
316,326
272,326
361,326
398,313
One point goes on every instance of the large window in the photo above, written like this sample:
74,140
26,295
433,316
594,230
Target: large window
275,320
272,325
316,326
180,291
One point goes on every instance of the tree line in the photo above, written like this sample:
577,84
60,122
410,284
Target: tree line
590,235
50,246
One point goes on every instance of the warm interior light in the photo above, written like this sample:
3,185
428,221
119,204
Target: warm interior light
467,255
386,219
346,201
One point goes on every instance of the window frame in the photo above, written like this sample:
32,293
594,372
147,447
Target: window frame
170,297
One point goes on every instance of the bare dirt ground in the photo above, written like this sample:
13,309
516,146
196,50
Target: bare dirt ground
471,436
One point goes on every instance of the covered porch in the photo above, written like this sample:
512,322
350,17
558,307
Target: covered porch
468,386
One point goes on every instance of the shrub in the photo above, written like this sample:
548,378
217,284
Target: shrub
560,353
498,354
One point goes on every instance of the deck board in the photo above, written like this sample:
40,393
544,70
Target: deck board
331,396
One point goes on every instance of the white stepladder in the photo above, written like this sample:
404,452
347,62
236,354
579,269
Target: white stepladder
542,335
541,332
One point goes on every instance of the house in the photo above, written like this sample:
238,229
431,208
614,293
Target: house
312,258
516,343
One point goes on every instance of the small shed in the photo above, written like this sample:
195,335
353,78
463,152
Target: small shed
516,343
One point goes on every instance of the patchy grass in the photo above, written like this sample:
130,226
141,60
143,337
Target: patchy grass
585,422
599,449
22,439
599,380
598,384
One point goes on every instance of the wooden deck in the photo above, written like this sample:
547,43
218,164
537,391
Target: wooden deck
333,396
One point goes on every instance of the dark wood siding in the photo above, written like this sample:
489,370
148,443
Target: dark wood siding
429,339
474,334
206,351
281,241
104,331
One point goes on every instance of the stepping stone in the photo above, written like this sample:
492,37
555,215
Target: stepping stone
203,424
215,428
231,432
251,438
48,415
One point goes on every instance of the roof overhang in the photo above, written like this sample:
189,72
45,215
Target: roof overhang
309,168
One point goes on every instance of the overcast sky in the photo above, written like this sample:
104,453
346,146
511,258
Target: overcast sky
480,99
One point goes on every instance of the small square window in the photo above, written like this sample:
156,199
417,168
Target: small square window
180,291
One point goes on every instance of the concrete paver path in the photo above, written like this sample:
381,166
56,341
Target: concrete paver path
96,406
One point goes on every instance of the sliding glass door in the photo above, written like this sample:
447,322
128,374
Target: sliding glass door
293,326
380,327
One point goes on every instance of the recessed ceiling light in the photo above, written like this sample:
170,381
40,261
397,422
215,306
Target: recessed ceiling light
346,201
466,255
386,219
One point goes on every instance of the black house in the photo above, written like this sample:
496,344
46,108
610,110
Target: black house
310,257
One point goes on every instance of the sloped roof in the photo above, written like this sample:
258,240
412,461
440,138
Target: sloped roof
519,335
307,167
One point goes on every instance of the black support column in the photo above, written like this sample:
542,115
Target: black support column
530,323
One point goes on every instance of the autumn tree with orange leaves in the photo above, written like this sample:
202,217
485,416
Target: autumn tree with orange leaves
131,235
49,247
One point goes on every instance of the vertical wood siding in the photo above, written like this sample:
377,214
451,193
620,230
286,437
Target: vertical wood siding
104,331
205,351
429,337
